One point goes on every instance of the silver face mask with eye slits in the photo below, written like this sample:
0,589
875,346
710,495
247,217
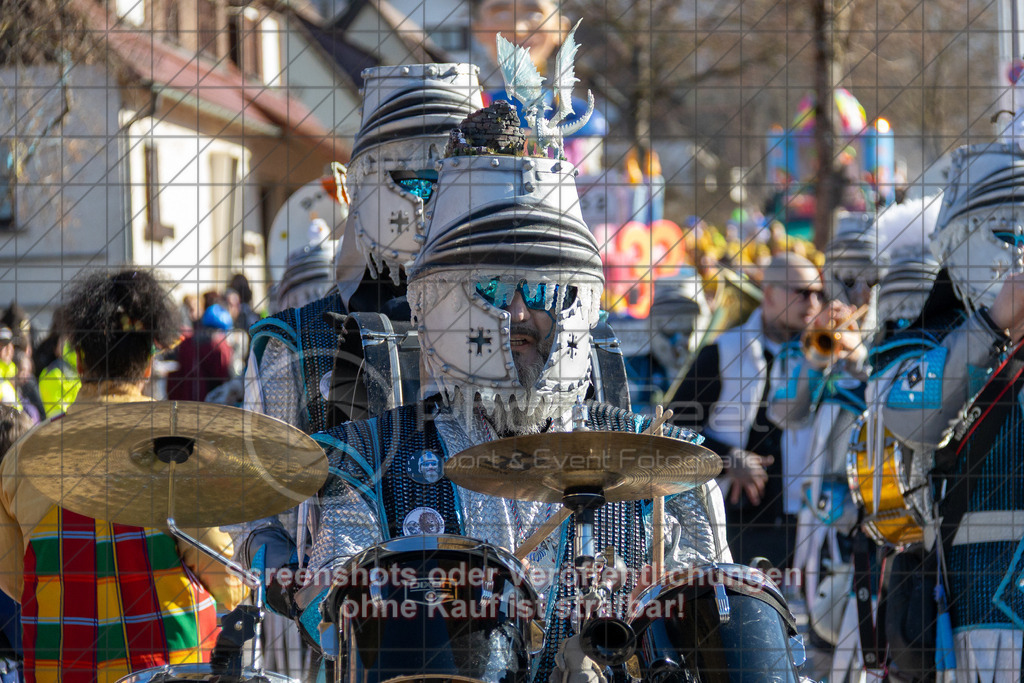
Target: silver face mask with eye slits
408,112
503,225
979,235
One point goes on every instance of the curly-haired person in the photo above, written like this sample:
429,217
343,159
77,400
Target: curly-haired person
140,598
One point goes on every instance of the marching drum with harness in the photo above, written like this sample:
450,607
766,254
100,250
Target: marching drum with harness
895,499
721,623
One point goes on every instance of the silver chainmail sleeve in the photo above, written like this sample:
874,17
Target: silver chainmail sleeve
273,386
695,528
485,517
347,527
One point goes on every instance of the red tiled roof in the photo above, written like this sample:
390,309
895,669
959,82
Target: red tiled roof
220,85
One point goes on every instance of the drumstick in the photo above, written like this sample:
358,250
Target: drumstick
659,419
658,516
530,544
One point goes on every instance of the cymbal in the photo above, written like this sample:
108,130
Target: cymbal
101,462
541,467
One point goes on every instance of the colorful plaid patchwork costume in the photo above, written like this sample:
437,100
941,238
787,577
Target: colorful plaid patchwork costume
102,599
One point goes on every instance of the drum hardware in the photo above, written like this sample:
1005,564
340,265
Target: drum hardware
722,600
369,337
583,501
609,344
238,626
583,470
244,622
661,416
607,640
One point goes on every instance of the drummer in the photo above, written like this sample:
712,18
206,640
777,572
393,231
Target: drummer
140,598
406,117
504,294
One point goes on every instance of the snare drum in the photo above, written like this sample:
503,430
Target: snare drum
892,518
432,608
723,623
183,673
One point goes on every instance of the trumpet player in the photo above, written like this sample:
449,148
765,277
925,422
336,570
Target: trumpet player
818,385
725,395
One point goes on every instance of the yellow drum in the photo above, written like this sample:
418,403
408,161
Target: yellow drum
879,480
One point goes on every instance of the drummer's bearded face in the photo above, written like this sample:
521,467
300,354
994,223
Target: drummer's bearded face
532,336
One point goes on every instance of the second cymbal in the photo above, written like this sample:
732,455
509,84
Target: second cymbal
541,467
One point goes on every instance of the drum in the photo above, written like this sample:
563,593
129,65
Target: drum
432,608
376,367
892,517
182,673
722,623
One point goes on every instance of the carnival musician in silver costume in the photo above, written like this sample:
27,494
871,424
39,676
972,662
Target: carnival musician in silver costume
973,317
830,388
406,116
504,295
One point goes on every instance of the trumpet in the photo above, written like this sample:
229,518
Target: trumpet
820,346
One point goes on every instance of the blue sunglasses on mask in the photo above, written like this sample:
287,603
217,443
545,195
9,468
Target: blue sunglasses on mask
500,294
1010,238
418,183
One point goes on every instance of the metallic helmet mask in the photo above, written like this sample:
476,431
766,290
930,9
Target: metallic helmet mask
905,287
408,112
903,238
852,262
979,235
308,273
502,225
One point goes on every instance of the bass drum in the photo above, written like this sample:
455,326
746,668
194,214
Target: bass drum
184,673
899,513
723,623
433,608
377,368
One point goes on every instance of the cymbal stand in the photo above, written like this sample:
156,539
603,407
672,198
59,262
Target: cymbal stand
605,638
248,621
584,502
